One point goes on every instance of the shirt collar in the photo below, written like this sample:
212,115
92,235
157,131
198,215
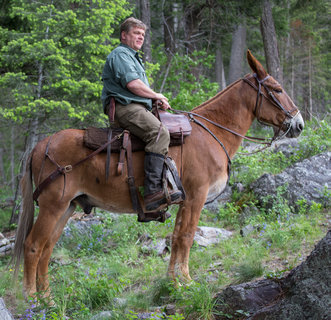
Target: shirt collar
134,52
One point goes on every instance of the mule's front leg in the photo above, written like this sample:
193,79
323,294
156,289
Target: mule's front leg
183,236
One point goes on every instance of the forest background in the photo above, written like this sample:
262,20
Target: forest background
53,52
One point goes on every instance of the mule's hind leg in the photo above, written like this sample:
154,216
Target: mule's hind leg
42,268
183,236
41,232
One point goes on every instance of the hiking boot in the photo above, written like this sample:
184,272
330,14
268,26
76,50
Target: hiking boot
155,196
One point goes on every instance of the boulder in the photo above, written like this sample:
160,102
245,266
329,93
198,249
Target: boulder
6,244
222,199
309,179
4,313
206,236
305,293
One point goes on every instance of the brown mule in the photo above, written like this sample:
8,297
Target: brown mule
204,162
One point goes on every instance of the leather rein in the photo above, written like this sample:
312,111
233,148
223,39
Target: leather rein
266,141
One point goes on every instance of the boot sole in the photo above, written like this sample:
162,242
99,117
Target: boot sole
175,198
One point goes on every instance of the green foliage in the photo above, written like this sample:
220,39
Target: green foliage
54,68
314,140
94,241
229,215
184,89
196,298
249,269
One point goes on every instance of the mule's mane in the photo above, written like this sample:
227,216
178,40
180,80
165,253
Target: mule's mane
217,95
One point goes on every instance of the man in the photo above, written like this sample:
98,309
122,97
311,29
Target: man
124,78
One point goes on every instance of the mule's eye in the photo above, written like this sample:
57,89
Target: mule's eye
278,90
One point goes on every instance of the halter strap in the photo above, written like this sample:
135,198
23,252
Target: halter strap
271,97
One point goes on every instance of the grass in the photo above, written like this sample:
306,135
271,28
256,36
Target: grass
86,280
106,269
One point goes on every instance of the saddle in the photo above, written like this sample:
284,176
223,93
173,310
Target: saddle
179,128
178,125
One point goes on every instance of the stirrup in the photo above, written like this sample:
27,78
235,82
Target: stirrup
162,199
159,216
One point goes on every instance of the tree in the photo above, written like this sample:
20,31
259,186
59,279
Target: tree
51,62
270,42
146,18
237,52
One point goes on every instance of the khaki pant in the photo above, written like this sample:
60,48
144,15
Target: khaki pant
143,124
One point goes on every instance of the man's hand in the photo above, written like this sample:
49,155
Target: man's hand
140,89
164,101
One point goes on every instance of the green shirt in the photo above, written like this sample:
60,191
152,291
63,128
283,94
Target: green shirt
122,66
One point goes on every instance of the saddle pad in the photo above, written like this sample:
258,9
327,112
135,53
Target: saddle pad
96,137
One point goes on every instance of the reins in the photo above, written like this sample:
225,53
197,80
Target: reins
264,141
252,139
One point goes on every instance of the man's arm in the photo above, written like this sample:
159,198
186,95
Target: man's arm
140,89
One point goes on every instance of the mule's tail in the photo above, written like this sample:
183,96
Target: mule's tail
26,217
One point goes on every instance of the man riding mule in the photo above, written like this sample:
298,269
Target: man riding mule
219,126
125,81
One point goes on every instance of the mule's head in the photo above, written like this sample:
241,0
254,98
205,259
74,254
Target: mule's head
273,106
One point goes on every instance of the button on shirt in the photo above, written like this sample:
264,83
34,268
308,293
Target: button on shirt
122,66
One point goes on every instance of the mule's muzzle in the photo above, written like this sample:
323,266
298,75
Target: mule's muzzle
296,126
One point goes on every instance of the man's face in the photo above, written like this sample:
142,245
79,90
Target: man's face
134,38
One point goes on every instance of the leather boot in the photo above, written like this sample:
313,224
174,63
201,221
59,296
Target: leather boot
154,195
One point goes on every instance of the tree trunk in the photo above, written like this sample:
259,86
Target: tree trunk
237,52
2,168
146,18
191,13
270,42
310,76
12,159
220,75
168,28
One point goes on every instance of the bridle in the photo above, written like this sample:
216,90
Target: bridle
271,98
258,104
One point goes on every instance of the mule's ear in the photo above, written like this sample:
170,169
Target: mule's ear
256,66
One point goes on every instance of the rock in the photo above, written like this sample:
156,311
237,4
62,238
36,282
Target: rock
248,297
159,246
206,236
4,242
120,302
4,313
6,245
303,294
170,309
223,198
304,180
150,315
245,231
288,146
104,315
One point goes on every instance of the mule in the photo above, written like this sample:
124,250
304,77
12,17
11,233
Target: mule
204,160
